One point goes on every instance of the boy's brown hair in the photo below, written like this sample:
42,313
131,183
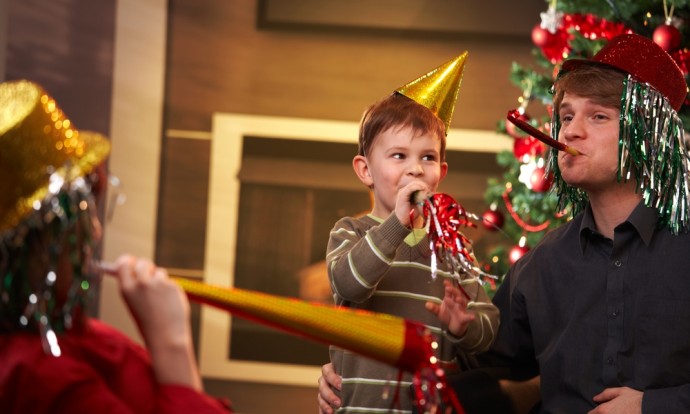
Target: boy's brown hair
397,110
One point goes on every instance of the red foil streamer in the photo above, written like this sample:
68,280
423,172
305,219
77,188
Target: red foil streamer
447,216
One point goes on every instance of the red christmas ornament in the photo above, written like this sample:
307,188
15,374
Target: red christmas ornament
528,146
557,48
587,25
540,181
667,37
514,131
542,37
493,220
516,253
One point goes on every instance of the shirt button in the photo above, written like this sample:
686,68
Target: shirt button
617,263
609,361
615,313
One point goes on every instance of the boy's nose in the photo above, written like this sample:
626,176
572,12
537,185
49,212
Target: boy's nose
415,169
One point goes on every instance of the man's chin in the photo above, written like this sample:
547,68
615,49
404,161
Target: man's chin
574,181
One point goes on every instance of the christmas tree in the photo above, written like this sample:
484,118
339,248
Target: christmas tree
520,203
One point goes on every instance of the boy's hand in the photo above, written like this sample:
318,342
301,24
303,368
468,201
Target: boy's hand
452,311
406,209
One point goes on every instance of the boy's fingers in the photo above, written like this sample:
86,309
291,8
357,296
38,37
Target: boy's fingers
433,307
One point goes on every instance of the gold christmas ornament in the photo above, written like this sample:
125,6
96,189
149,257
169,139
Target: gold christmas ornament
37,141
438,90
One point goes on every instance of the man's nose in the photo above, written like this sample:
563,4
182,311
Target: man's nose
574,129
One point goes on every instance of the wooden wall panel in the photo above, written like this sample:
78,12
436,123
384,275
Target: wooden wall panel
220,61
66,46
182,212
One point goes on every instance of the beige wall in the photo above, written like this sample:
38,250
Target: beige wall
138,77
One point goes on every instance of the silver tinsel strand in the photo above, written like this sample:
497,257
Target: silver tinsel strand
62,220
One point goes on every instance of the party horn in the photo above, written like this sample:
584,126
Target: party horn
514,118
390,339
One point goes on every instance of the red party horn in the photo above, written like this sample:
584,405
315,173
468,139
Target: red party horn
514,118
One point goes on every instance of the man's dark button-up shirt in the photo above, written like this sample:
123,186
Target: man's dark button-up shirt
593,313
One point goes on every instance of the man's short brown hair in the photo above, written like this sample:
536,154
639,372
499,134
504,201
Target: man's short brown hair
603,85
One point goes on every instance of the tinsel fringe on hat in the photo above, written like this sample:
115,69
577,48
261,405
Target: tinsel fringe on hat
29,294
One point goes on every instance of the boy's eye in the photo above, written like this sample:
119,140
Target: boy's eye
429,157
399,156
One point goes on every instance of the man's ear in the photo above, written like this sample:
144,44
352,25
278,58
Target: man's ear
361,167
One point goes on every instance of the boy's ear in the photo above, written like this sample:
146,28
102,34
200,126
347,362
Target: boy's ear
444,170
361,167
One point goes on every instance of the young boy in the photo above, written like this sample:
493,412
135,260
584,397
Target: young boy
381,262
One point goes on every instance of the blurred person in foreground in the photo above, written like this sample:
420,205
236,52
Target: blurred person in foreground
56,359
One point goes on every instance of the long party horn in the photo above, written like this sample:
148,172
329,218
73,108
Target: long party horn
514,117
386,338
399,342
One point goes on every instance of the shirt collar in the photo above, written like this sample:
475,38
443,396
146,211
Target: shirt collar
643,219
412,239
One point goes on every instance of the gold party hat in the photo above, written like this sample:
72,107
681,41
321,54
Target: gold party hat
37,140
438,89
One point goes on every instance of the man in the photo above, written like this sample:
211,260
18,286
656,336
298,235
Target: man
596,306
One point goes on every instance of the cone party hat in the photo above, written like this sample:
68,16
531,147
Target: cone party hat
438,90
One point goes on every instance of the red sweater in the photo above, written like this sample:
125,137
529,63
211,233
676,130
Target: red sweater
100,371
